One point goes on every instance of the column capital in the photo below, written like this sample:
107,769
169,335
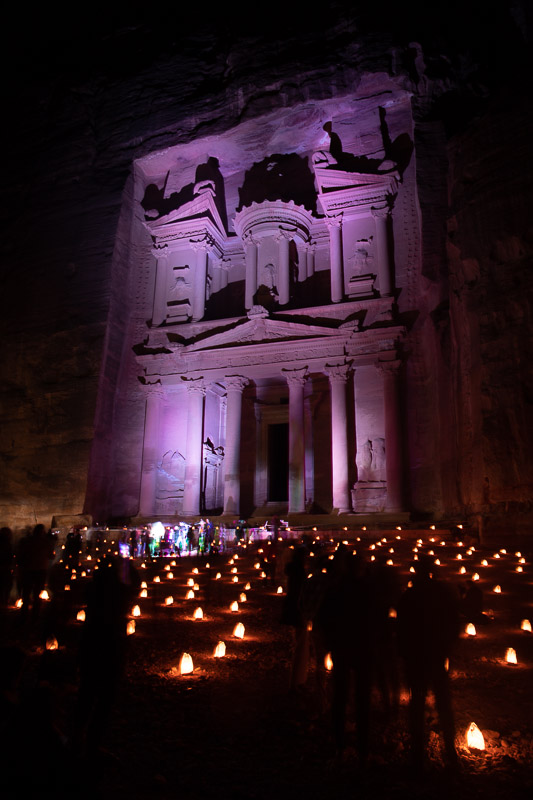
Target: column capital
334,221
381,213
235,383
337,373
249,239
283,234
295,377
153,389
389,367
160,250
195,385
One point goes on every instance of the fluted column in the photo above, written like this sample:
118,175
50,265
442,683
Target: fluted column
296,381
251,270
283,287
393,441
338,375
193,465
232,480
148,487
336,265
199,279
382,218
159,313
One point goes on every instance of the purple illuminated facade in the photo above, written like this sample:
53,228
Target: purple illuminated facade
264,363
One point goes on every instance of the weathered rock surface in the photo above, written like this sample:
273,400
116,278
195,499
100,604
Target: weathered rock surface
86,109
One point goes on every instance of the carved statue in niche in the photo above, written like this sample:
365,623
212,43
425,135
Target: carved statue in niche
362,258
378,459
212,493
170,475
371,462
179,289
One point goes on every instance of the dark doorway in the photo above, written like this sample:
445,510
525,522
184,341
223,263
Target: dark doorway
278,462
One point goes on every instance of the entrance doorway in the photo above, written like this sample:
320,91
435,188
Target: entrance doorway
278,462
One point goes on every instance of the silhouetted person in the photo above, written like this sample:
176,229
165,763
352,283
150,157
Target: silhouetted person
428,625
34,556
6,566
471,604
103,649
345,620
292,615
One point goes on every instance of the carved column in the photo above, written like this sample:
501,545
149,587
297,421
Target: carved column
393,440
193,466
150,451
251,270
283,239
199,279
159,313
232,480
382,221
336,266
296,381
310,260
338,375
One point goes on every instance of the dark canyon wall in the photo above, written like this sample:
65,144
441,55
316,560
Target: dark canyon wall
84,107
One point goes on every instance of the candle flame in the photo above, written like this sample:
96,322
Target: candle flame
198,613
525,625
186,665
474,737
470,629
220,650
510,655
238,631
328,662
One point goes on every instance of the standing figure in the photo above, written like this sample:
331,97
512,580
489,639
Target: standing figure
428,626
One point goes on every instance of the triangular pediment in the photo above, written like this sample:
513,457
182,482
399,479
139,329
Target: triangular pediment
261,331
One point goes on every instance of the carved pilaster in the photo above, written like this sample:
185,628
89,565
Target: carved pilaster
235,385
338,376
334,225
390,371
382,219
193,467
296,380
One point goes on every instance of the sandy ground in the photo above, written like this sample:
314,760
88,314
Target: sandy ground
232,729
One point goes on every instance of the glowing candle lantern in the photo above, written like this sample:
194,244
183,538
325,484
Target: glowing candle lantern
257,565
242,598
522,560
459,557
157,579
80,616
220,650
518,554
196,587
144,593
503,551
462,570
190,582
262,575
198,613
189,595
510,655
519,568
497,589
18,604
218,576
130,627
173,564
67,586
144,585
470,629
234,571
279,590
328,662
194,572
484,563
525,625
235,579
474,738
136,611
392,613
234,606
475,576
143,566
186,665
44,595
170,575
447,664
169,600
247,587
238,631
437,562
390,562
51,643
167,567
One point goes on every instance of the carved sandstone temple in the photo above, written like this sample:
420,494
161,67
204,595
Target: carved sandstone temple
266,355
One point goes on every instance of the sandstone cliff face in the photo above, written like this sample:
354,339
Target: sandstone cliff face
72,216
